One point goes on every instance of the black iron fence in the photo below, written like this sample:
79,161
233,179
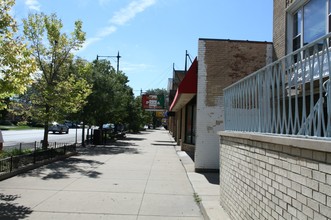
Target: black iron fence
35,155
34,145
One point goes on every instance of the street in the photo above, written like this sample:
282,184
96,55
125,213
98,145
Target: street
13,138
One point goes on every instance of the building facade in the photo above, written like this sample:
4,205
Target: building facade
198,105
299,22
276,148
220,63
173,84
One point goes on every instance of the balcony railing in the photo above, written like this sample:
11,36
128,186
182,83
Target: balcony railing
291,96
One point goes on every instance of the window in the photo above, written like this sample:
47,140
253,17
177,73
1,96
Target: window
310,22
314,20
190,122
297,21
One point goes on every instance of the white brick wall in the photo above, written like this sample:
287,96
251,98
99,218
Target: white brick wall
220,63
260,180
209,121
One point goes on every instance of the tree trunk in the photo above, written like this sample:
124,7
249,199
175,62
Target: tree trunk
45,140
83,134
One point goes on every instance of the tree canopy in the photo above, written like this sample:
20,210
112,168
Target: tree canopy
53,84
16,63
110,95
61,86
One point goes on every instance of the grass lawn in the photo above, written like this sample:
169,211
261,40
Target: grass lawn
13,127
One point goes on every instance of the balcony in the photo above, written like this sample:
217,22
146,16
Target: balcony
291,96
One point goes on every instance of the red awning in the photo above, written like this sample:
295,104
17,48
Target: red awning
187,89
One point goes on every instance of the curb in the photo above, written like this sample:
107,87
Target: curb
210,208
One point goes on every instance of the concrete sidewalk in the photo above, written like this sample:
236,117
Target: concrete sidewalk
141,177
206,186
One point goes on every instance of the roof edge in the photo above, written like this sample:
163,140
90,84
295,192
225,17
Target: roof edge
230,40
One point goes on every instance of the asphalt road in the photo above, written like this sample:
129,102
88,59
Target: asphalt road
14,138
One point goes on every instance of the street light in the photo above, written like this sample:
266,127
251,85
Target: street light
118,60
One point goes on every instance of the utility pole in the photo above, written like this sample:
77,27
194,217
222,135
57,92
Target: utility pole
187,55
185,61
118,60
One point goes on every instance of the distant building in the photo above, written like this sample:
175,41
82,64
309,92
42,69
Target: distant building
198,102
178,76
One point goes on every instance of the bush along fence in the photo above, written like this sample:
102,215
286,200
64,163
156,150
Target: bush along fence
24,157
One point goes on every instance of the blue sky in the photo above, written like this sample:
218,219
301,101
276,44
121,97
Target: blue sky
152,35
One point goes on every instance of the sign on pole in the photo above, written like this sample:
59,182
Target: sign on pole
153,102
160,114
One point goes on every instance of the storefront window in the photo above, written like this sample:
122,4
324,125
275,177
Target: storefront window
190,123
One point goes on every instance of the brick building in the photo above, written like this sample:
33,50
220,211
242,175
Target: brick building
199,111
173,84
220,63
275,152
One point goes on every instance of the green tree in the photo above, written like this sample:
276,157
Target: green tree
157,92
100,101
110,95
123,98
19,109
16,63
138,117
58,89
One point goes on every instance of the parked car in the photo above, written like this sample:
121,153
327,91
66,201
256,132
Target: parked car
120,132
70,124
60,128
108,126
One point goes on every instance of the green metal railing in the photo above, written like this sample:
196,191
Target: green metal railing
291,96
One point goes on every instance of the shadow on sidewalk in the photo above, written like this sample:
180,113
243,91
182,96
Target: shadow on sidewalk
12,211
133,139
63,169
107,150
79,164
123,146
164,143
213,178
147,131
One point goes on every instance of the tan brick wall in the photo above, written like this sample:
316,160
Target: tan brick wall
228,61
279,29
260,180
220,64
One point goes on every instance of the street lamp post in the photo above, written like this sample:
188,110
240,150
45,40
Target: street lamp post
118,60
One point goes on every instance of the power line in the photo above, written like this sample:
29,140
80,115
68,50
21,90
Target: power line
164,74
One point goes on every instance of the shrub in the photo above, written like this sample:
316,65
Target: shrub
22,123
5,122
15,152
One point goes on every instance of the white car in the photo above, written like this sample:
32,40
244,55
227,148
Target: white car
60,128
